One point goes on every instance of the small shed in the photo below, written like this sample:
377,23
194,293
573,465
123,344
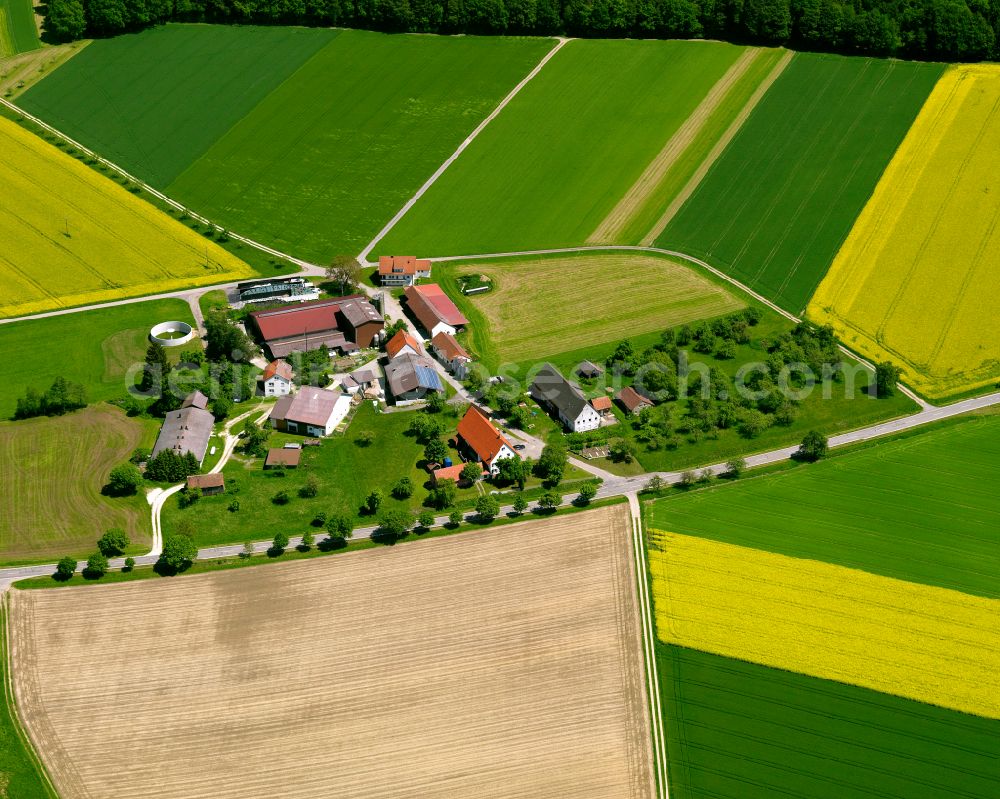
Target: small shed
589,369
287,458
602,405
208,484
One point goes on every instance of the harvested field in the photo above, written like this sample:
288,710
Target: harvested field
915,282
543,306
921,642
504,663
52,471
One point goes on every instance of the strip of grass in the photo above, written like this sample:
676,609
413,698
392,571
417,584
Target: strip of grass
777,205
154,102
549,169
324,161
737,730
922,509
95,348
18,31
22,775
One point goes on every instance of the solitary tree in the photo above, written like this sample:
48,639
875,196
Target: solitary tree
340,526
308,539
443,495
374,501
65,568
97,566
426,519
395,523
587,492
129,564
310,489
520,503
345,271
402,488
125,479
886,376
471,472
549,501
736,467
813,447
280,542
654,484
247,550
179,550
688,479
552,463
113,543
365,438
435,402
487,508
435,451
456,517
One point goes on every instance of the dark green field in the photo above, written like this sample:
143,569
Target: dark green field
153,102
737,730
775,208
923,508
94,348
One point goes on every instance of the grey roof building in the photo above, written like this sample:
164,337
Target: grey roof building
554,391
411,376
186,430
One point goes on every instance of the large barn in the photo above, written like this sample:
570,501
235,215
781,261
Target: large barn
341,323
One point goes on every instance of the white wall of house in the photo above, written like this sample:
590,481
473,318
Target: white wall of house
589,419
441,327
277,386
504,453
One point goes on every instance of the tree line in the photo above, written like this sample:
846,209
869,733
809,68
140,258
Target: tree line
937,30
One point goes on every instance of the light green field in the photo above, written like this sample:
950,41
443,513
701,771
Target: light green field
923,509
549,169
18,31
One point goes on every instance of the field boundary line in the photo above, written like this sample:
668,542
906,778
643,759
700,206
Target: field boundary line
560,43
11,699
691,186
649,650
614,224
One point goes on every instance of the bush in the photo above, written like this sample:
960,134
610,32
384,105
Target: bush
129,564
97,566
520,503
281,498
402,488
319,520
234,506
113,543
188,497
279,543
65,568
308,539
736,467
455,518
310,489
340,526
813,447
125,480
426,519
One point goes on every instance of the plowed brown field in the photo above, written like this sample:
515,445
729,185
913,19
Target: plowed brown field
502,663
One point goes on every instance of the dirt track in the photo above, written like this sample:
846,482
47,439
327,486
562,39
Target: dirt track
484,664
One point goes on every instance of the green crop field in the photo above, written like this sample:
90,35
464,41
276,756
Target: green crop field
327,158
549,169
737,730
154,102
779,202
53,470
95,348
18,31
923,508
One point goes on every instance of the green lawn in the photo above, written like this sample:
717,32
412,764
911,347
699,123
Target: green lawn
21,773
923,508
18,31
779,202
154,102
548,170
346,472
95,348
327,158
737,730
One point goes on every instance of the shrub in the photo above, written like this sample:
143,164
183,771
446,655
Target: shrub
281,498
65,568
125,479
97,566
113,543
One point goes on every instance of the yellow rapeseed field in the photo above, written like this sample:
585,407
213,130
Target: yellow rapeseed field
73,237
916,280
921,642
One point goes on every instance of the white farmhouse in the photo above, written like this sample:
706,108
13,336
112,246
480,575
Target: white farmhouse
550,389
278,379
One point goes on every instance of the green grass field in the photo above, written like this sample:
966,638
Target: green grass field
18,32
779,202
21,775
737,730
154,102
324,161
53,471
556,161
95,348
923,509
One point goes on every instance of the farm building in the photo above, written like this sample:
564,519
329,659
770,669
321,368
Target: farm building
553,391
312,411
632,401
195,400
411,377
403,344
589,370
287,289
602,405
277,379
349,385
365,378
282,457
449,473
451,354
208,484
434,310
402,270
480,439
187,429
341,323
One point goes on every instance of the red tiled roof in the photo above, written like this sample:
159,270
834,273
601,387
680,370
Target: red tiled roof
398,342
402,265
448,346
431,305
450,472
478,432
601,403
281,368
315,316
212,480
632,399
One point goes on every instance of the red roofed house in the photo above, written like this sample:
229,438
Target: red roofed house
479,436
432,308
402,270
451,354
343,323
403,344
632,401
277,379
